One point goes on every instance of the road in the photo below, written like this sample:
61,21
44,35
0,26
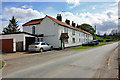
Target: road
69,63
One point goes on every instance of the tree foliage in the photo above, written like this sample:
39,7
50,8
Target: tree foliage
87,28
12,27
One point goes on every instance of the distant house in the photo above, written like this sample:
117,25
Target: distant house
57,33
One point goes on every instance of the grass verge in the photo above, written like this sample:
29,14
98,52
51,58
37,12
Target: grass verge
86,47
2,63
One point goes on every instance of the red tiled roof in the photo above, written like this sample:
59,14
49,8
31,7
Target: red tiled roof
32,22
66,25
37,21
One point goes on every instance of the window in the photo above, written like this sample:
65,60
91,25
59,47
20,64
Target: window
65,30
43,43
35,44
66,40
41,39
73,40
79,39
38,39
73,32
33,30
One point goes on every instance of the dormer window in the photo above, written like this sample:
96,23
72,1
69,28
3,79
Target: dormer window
33,30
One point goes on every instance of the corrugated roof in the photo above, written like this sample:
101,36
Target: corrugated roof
32,22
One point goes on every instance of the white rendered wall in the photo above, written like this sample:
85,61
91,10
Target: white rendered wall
78,35
50,30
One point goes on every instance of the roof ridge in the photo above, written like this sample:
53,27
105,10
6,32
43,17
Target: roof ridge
65,24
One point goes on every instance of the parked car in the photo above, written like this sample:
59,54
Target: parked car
95,41
89,44
40,46
85,44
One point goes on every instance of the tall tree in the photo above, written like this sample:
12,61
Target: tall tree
12,27
87,28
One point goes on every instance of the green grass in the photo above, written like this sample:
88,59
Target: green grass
99,38
2,63
86,47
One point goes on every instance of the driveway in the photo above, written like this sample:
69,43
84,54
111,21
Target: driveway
68,63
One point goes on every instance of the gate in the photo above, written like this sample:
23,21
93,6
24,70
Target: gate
19,46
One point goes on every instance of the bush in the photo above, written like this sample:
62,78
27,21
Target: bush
108,40
100,40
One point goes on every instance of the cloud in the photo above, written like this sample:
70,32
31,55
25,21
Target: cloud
93,8
21,14
25,6
50,11
73,2
105,21
3,24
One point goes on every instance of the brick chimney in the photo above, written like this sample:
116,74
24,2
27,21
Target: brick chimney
77,26
73,24
59,17
67,21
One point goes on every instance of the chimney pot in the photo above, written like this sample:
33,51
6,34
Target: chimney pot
73,24
59,17
67,21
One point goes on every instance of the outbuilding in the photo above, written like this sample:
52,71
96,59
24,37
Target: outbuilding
18,41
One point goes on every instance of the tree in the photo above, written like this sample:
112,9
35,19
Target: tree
98,33
105,35
12,27
87,28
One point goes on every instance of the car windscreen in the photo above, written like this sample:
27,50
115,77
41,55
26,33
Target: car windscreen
35,44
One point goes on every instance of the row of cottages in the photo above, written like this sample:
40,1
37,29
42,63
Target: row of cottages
57,33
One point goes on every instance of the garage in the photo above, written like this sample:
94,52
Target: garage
7,45
17,42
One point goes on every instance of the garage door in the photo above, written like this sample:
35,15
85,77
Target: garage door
7,45
28,41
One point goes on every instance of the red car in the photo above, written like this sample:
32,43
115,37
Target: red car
88,44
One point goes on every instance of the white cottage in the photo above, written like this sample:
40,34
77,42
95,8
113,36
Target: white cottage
53,29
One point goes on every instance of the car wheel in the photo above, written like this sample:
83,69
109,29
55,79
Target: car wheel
41,50
51,48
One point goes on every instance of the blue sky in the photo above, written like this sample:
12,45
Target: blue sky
94,13
61,6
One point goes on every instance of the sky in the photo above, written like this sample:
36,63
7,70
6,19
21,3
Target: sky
102,14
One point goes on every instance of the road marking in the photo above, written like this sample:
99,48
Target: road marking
109,58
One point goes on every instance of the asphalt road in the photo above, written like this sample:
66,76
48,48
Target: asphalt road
69,63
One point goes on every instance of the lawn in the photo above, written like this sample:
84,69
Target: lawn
86,47
1,63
